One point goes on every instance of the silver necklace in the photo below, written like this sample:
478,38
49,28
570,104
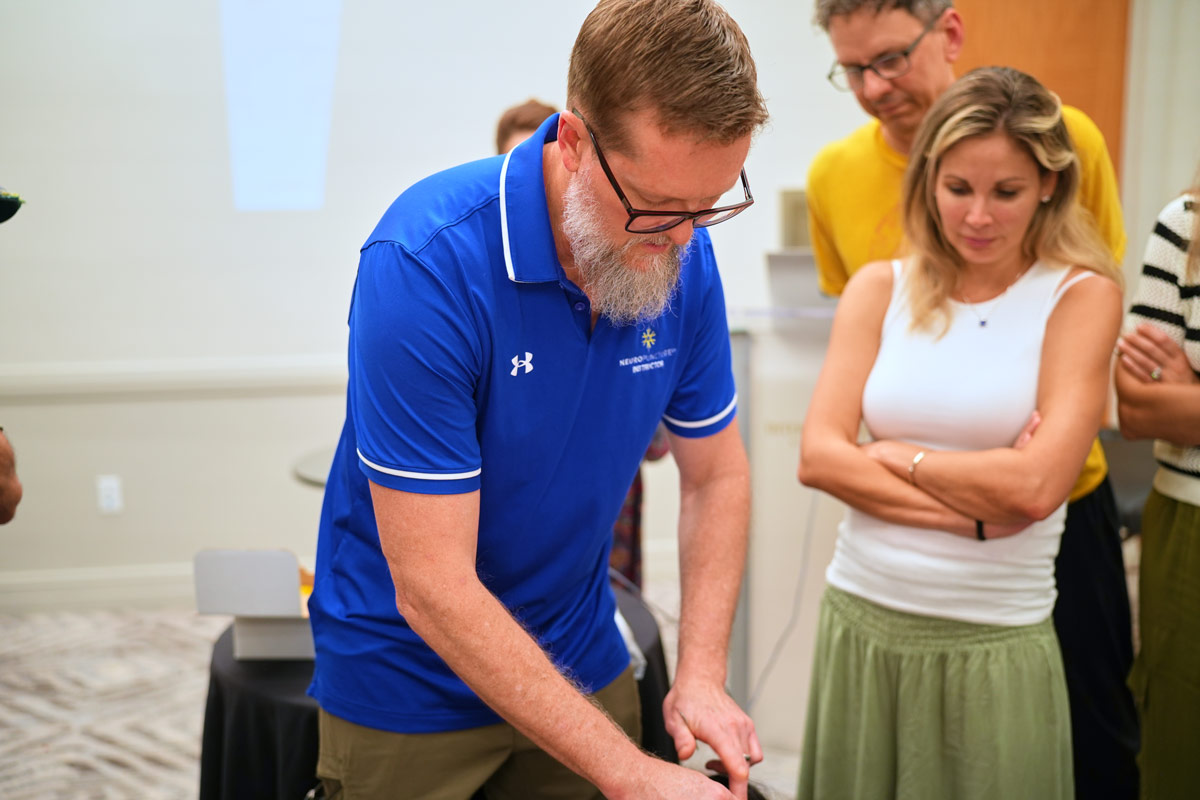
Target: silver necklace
990,310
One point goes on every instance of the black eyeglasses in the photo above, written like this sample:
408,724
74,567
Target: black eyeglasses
849,77
658,221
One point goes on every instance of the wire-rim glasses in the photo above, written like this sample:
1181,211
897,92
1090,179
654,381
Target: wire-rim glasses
849,77
641,221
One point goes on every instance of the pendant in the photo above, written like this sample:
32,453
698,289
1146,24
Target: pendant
983,323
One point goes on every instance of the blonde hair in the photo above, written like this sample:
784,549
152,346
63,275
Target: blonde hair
985,101
686,59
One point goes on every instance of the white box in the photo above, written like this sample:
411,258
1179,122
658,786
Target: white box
261,589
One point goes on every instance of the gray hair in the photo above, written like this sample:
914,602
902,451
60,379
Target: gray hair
924,10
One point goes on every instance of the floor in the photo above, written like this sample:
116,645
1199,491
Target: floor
103,704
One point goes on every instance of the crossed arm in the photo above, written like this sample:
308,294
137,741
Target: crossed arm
1007,487
429,542
1167,408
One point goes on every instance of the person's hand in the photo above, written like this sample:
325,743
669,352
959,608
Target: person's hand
702,710
1026,434
1150,356
655,779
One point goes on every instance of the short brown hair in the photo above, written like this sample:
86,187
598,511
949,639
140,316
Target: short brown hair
686,59
526,117
924,10
985,101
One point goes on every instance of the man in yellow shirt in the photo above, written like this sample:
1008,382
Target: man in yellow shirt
897,57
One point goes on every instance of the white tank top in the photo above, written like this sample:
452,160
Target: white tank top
972,389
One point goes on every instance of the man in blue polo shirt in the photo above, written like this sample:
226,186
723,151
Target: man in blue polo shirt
519,327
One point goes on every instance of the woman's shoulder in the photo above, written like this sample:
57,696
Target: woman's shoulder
873,276
869,290
1087,288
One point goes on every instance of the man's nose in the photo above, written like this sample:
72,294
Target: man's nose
681,234
873,86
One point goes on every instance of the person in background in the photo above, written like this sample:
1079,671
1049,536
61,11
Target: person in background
10,485
979,365
1158,397
510,355
897,58
519,122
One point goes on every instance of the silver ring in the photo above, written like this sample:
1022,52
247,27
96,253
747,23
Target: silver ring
747,757
1156,374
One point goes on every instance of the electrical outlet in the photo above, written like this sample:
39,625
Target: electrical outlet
109,497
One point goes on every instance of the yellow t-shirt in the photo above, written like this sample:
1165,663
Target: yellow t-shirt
853,195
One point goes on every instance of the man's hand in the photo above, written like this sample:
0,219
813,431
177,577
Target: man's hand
702,710
656,779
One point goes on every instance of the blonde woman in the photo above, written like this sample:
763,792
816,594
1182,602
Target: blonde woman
1159,398
979,365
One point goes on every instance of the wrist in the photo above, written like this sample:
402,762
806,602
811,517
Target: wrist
700,671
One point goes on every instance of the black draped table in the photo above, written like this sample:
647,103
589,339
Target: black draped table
260,728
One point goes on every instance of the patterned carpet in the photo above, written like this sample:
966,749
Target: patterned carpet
104,704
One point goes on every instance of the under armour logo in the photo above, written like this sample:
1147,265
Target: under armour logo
518,363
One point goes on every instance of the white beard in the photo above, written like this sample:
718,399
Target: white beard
625,293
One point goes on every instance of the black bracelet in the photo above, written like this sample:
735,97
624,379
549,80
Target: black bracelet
979,530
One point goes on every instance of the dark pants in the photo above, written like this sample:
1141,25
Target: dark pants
1092,621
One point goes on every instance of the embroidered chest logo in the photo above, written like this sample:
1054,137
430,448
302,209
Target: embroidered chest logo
647,358
519,364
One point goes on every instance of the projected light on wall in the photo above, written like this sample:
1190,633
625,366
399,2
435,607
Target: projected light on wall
280,57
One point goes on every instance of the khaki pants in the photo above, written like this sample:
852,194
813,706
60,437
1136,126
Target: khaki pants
359,763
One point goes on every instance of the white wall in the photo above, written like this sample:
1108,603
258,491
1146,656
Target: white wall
115,132
150,329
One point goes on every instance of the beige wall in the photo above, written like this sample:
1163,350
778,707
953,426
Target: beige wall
205,458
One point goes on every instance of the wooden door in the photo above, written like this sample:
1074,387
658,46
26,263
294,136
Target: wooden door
1077,48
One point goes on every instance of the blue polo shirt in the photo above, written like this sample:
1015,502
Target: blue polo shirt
474,365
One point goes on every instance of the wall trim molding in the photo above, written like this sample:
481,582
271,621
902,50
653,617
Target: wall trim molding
123,585
172,377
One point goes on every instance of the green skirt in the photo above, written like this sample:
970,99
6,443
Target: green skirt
1166,672
905,706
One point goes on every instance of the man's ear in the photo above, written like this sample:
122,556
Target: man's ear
956,34
571,139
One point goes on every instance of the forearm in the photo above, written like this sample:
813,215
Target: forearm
477,637
1159,411
846,472
1002,486
713,531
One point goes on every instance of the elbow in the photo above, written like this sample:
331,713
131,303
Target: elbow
1041,498
808,472
414,598
1129,420
407,605
804,474
1038,509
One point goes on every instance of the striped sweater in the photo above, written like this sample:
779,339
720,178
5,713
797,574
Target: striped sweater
1165,299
